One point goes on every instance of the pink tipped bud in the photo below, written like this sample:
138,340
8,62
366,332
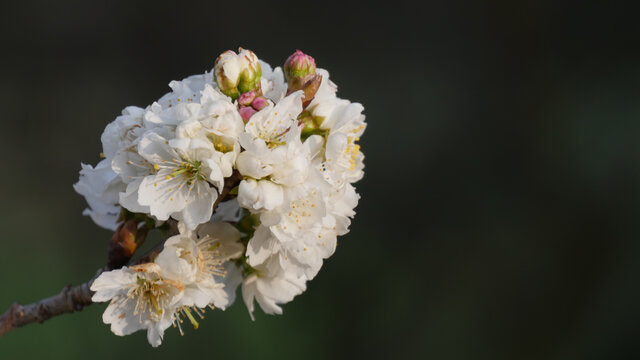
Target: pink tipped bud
299,65
246,112
300,70
259,103
247,98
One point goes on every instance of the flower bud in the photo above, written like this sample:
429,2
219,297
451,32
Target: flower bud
246,112
259,103
237,74
247,98
125,240
250,103
227,73
299,68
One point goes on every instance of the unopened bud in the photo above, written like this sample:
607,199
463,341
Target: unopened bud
237,74
299,68
247,98
250,104
227,73
246,112
259,103
129,236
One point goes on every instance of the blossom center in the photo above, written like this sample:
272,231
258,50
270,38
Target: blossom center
302,210
150,298
190,170
274,140
209,262
219,143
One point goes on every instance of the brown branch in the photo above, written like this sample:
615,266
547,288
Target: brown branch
70,299
75,298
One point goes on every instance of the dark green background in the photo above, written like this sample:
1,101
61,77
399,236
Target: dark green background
499,212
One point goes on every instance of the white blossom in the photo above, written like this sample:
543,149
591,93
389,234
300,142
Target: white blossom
123,131
189,262
282,173
344,160
274,158
140,299
182,187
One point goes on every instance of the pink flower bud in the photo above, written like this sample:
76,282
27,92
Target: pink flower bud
299,65
300,70
259,103
246,98
246,112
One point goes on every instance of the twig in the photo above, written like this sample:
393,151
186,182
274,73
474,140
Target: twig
70,299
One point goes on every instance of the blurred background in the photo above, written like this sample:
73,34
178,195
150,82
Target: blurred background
500,207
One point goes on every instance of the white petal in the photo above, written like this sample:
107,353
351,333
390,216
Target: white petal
164,197
199,205
122,320
110,283
262,245
250,165
156,149
129,198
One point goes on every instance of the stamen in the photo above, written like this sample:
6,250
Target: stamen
154,302
191,318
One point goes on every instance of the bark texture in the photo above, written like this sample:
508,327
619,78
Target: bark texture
70,299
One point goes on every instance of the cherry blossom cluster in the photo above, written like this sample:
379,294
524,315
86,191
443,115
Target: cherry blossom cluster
253,169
